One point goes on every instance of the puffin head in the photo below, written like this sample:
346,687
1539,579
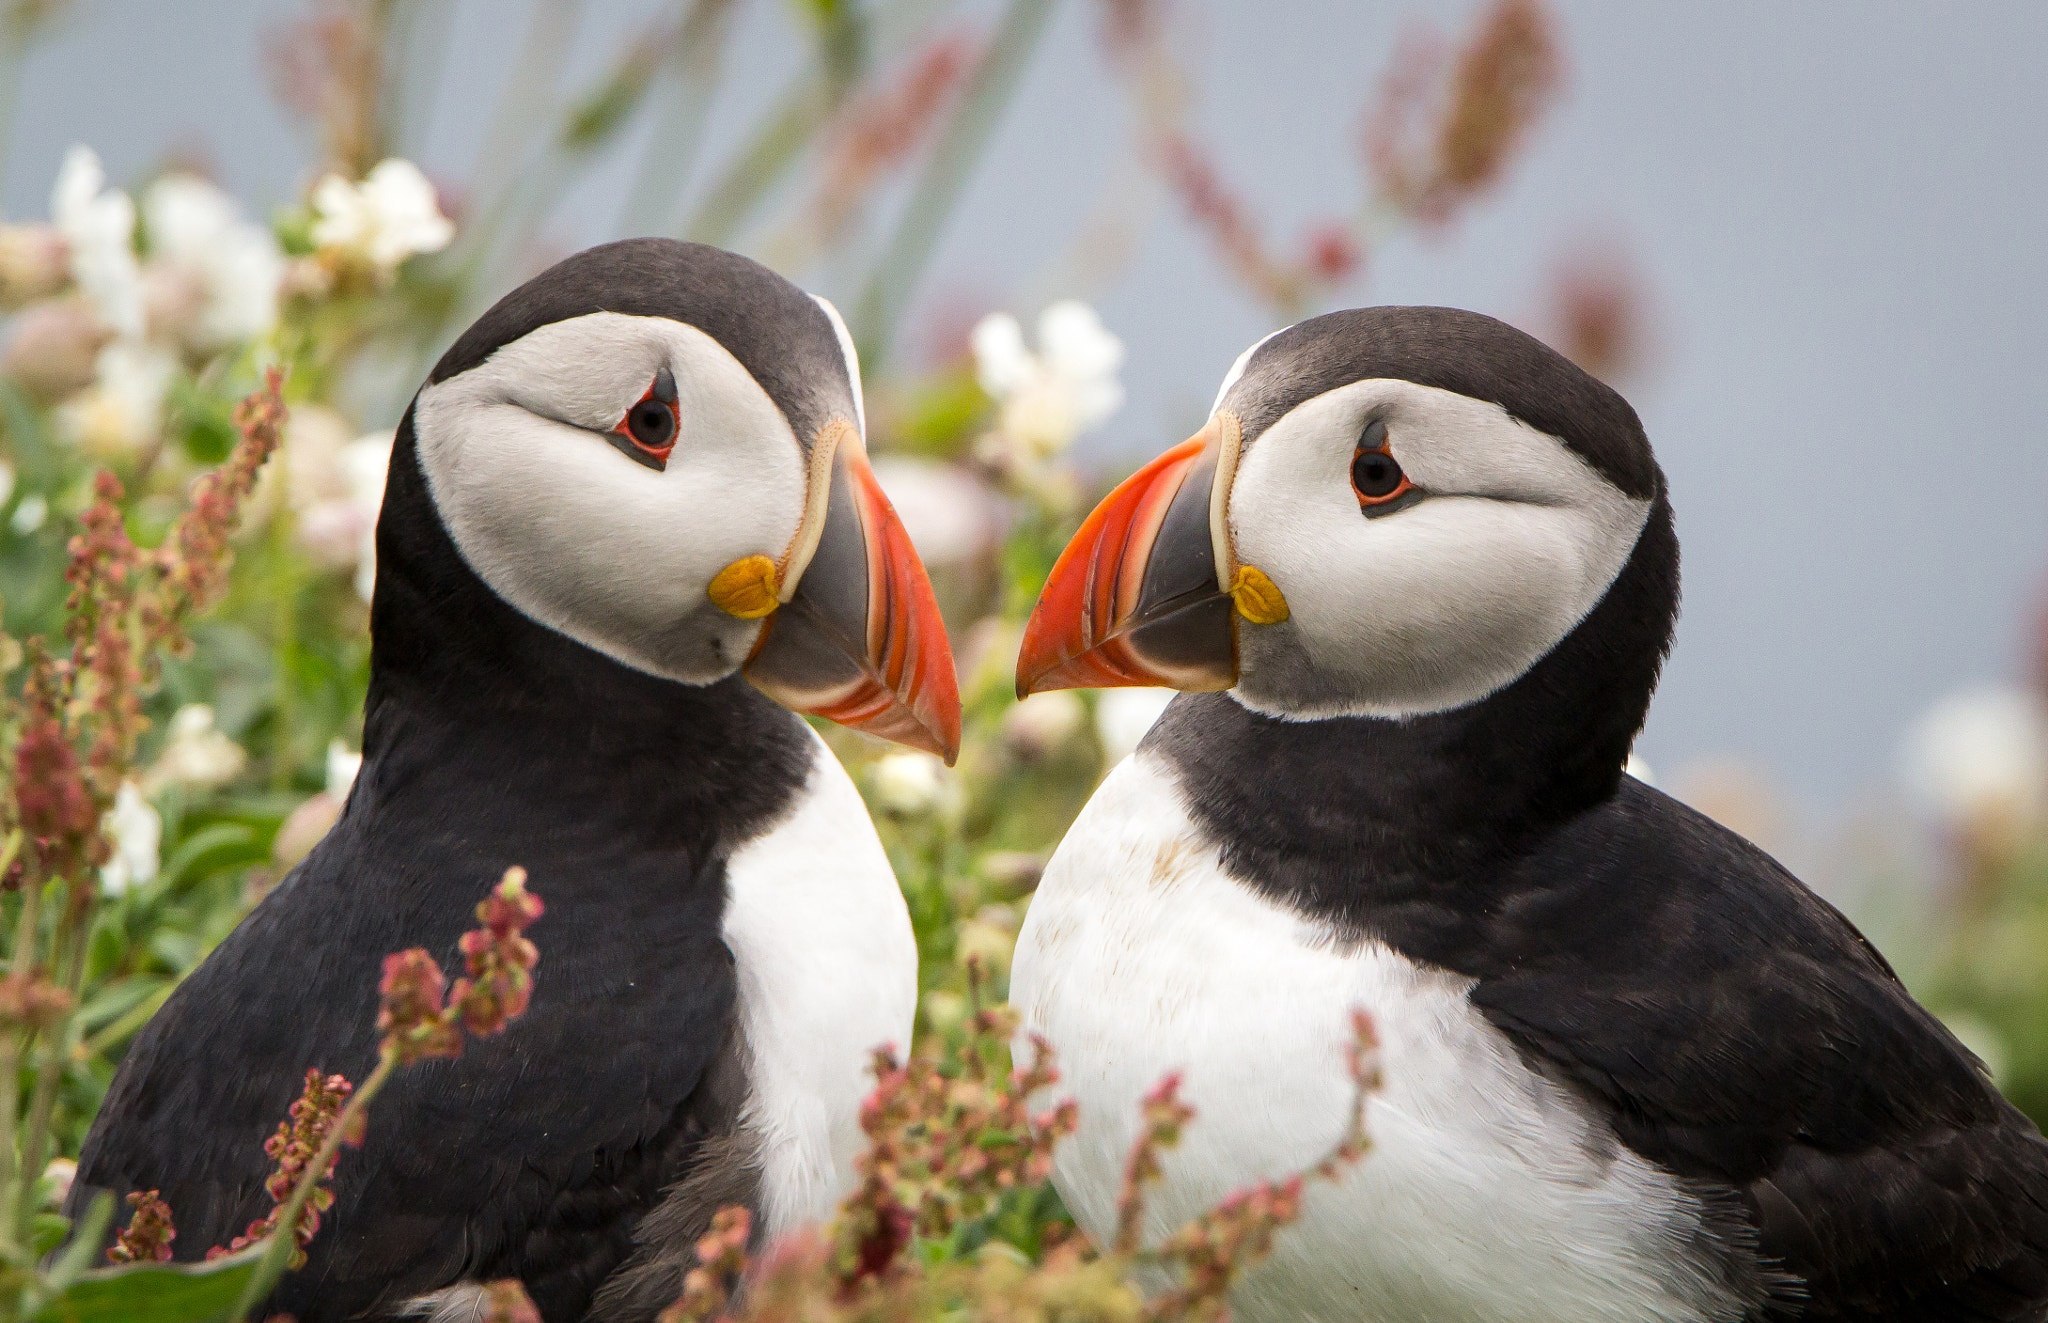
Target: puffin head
1392,512
657,449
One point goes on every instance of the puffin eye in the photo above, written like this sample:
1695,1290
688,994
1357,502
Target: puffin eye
651,424
1376,476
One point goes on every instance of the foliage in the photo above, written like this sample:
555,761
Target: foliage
942,1224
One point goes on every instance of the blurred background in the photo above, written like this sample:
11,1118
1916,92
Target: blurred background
1803,241
1826,220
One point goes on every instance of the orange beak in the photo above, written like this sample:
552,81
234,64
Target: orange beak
860,640
1137,596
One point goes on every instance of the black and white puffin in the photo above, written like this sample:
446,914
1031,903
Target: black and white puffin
1422,572
629,506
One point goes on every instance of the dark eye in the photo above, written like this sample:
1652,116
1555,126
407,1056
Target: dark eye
648,431
1376,476
651,424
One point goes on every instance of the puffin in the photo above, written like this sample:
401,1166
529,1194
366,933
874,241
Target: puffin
629,534
1415,579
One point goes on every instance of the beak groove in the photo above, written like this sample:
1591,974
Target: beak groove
859,639
1135,599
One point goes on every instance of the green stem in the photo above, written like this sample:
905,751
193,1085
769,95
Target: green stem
284,1239
285,651
945,174
130,1021
73,927
779,143
678,130
767,157
12,1048
25,932
521,109
78,1256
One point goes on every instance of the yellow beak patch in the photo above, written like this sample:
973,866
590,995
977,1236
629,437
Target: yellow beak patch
1258,598
747,588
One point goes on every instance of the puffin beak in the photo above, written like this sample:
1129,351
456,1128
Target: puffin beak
1147,593
853,633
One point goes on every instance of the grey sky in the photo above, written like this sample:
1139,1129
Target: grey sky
1838,205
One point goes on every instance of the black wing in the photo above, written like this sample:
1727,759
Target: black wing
1745,1035
531,1155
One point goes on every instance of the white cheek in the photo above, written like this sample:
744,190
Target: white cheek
1430,607
586,541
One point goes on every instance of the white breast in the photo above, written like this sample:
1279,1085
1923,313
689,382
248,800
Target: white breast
827,970
1490,1194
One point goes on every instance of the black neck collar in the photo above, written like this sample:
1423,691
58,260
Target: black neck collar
467,691
1341,816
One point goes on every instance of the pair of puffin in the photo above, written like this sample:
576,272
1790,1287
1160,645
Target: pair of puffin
1418,575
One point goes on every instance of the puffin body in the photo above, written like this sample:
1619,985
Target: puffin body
568,675
1633,1070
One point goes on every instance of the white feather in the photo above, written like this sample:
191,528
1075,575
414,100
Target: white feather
851,357
1237,369
583,539
827,970
1430,607
1491,1194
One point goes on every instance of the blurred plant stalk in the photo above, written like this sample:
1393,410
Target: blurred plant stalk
72,737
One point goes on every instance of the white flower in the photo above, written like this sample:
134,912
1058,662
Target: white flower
336,487
197,753
123,409
342,766
59,1175
908,783
1122,718
1050,397
951,515
308,472
366,461
391,215
98,224
197,230
137,833
1978,761
31,514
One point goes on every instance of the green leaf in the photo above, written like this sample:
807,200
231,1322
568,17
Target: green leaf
216,848
154,1293
209,427
176,950
47,1231
943,415
116,999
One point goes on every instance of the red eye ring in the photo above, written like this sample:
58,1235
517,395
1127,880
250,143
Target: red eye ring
651,425
1377,478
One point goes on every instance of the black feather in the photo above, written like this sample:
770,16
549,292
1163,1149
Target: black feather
489,741
1854,1161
